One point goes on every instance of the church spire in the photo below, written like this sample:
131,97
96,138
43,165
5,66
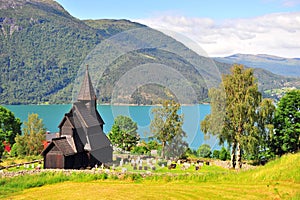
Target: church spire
86,92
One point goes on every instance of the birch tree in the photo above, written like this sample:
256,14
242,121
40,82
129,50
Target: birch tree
233,117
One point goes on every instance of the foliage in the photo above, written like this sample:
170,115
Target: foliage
146,147
224,154
51,45
235,117
42,47
31,142
176,147
204,151
166,126
216,154
286,138
10,127
123,133
266,113
141,150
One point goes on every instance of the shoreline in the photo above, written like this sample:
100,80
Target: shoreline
104,104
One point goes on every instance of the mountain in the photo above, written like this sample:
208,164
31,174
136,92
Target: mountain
44,50
42,47
277,65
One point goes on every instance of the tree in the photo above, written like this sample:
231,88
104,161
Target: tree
204,151
123,133
31,142
10,127
234,115
166,126
224,154
216,154
265,125
287,124
176,147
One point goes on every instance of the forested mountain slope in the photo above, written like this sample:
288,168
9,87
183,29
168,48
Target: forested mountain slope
42,48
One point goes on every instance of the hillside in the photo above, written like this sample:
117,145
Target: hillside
43,51
277,65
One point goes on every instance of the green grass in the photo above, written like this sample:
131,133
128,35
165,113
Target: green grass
279,179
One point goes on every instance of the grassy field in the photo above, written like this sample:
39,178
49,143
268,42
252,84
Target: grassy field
279,179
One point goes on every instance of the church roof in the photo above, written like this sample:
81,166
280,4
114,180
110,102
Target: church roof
84,115
86,91
62,145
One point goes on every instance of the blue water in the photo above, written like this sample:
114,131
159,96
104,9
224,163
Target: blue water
53,114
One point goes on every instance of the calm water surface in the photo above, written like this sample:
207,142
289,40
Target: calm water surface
53,114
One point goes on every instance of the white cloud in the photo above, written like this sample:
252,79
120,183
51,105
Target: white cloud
275,34
290,3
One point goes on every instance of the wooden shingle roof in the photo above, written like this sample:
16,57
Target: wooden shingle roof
63,146
86,91
84,115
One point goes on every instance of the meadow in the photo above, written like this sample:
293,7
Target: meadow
278,179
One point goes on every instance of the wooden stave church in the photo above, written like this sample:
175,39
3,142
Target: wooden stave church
81,142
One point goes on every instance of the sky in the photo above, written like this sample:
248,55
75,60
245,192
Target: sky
218,27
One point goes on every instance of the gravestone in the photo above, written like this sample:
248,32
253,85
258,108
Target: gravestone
121,162
153,153
169,162
132,162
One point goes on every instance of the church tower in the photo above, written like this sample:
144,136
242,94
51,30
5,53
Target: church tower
87,94
88,97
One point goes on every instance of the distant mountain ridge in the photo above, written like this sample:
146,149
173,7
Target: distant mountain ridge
277,65
43,46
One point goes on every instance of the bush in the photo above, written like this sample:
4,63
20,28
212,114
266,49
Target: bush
140,150
160,163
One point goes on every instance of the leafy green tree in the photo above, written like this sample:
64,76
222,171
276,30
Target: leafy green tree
265,125
31,142
123,133
10,127
204,151
216,154
287,124
167,124
224,154
233,115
